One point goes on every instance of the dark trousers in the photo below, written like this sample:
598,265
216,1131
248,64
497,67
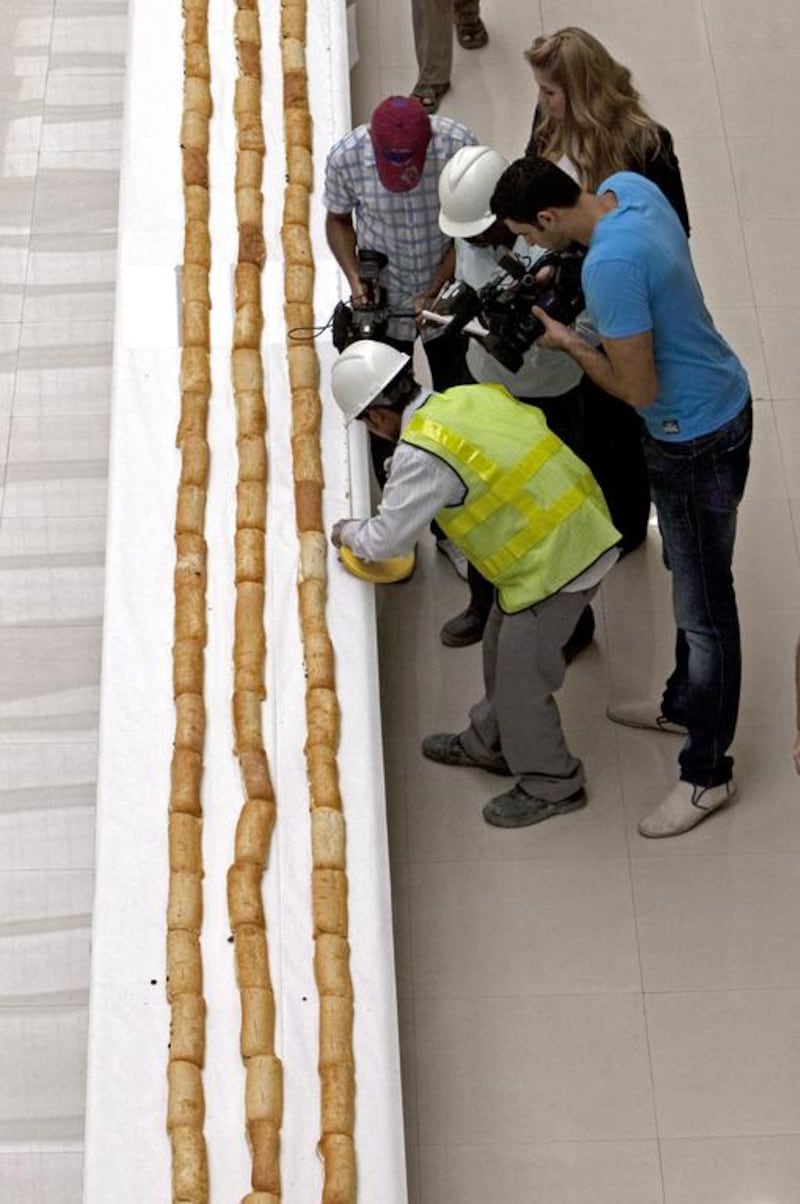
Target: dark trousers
697,487
612,445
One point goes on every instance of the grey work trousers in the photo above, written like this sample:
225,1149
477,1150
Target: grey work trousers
433,35
523,667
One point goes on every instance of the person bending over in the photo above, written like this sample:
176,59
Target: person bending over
530,516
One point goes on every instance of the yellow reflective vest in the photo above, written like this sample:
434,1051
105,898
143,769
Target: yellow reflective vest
533,517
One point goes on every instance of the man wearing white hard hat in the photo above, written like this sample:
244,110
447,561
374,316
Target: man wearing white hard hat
547,379
531,518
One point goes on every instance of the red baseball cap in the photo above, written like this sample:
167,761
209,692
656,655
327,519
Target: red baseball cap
400,130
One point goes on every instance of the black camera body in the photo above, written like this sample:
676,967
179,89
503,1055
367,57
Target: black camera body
503,306
369,319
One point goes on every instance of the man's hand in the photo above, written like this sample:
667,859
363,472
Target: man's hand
556,335
336,532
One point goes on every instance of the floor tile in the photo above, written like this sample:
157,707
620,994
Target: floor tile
553,927
712,923
54,541
51,679
44,937
767,569
725,1063
89,35
446,824
47,796
732,28
545,1068
57,466
739,325
27,27
13,267
744,119
17,183
774,259
76,191
632,31
21,103
43,1052
755,159
605,1172
41,596
717,245
82,112
690,111
782,355
64,368
763,819
10,333
731,1171
69,275
39,1176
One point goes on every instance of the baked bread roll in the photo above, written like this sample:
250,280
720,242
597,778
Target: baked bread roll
186,771
264,1089
254,830
187,1031
185,1104
257,1032
189,1166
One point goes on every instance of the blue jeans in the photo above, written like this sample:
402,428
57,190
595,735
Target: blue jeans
696,487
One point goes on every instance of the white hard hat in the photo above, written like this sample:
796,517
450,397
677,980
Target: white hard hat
362,372
465,190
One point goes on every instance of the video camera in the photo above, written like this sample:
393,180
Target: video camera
503,306
368,319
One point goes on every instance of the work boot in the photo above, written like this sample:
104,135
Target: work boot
518,809
447,749
466,628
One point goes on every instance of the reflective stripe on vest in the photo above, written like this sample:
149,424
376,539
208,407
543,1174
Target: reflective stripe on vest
533,517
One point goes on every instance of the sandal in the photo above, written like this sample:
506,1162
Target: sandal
429,95
472,34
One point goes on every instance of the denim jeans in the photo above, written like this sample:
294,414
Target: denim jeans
696,487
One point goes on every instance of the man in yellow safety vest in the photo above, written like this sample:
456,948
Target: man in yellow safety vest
531,518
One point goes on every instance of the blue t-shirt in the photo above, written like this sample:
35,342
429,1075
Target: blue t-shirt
638,276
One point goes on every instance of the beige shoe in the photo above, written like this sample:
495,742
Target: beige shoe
685,806
645,715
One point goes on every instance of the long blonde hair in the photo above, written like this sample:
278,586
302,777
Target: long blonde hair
604,129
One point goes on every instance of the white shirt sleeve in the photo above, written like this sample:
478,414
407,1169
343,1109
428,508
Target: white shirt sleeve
418,486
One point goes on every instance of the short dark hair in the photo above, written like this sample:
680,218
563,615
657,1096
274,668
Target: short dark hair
530,185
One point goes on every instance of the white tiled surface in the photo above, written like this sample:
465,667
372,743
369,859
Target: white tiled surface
586,1017
61,87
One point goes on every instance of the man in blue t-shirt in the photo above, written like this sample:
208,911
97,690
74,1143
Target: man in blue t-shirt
662,354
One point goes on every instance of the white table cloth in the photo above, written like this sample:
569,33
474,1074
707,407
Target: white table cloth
127,1151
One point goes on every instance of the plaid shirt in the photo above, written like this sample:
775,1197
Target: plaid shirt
404,225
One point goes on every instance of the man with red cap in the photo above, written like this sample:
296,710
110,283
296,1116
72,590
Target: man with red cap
382,194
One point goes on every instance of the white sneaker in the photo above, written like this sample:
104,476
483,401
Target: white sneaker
454,555
685,806
645,715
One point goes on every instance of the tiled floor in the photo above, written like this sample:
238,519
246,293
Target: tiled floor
585,1016
61,94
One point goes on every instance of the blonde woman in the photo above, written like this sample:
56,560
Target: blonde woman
589,121
589,115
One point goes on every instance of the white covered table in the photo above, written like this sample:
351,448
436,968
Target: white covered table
127,1152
